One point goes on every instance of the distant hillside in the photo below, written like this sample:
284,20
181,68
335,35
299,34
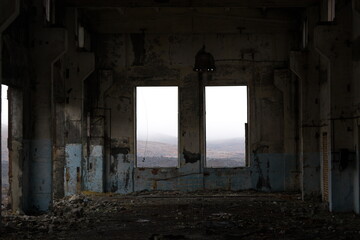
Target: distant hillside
4,134
157,137
227,145
221,153
4,158
155,149
4,173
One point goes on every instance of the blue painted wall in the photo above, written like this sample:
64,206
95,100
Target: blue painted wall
72,170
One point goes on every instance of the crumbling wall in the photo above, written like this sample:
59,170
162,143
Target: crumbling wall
166,59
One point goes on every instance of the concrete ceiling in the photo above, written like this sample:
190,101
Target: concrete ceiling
192,3
190,16
190,20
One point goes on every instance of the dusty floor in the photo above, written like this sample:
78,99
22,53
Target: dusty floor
172,215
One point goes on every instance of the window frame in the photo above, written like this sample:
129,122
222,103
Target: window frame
136,123
247,125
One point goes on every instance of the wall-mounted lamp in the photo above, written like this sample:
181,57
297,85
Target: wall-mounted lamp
204,61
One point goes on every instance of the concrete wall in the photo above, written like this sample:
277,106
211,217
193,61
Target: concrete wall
79,126
328,71
256,59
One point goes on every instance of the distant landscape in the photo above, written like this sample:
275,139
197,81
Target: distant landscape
4,163
162,151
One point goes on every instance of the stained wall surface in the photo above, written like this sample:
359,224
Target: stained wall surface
256,58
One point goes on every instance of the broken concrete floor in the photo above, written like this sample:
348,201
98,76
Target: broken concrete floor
174,215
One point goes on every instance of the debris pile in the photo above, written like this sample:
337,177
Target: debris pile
172,215
69,213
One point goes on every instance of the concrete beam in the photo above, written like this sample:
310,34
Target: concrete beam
325,40
9,10
193,3
298,64
356,5
187,21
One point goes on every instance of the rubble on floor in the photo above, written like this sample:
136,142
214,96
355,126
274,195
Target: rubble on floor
175,215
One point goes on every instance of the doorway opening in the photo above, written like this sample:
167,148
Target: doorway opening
225,126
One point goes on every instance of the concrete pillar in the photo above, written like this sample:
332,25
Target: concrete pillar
9,10
356,76
284,82
49,44
333,42
304,65
16,156
79,65
309,150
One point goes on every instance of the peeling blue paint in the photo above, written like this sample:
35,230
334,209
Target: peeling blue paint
227,179
72,171
270,173
121,173
94,173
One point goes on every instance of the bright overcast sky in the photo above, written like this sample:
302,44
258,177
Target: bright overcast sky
226,111
157,111
4,105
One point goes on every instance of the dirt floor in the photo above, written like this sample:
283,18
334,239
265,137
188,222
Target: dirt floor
173,215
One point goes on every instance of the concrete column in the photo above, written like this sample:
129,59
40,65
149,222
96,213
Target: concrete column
16,147
284,82
309,149
333,42
356,76
9,10
79,65
49,44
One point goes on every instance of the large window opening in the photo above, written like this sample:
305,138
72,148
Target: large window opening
157,127
4,148
226,121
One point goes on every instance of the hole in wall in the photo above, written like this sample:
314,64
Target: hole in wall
226,120
4,148
157,127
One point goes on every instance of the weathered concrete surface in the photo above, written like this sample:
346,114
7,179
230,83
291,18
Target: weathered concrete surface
58,151
9,10
72,170
94,174
16,154
158,59
356,86
92,118
308,145
49,45
331,41
309,111
78,65
194,3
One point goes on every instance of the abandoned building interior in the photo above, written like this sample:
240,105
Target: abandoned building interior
115,98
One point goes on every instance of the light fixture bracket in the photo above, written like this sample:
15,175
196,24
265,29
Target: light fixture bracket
204,61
